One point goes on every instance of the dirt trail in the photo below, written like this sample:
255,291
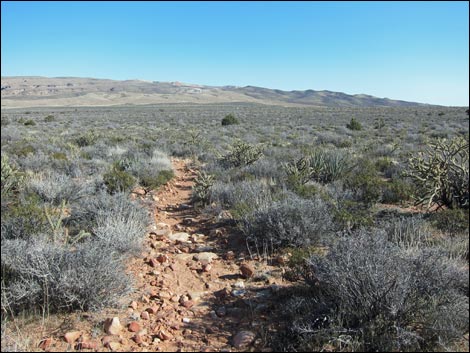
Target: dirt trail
189,295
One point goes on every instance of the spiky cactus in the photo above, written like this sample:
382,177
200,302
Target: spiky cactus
441,173
201,188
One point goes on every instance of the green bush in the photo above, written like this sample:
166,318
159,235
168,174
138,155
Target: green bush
49,118
397,191
354,125
452,221
117,180
29,122
365,183
86,139
154,182
60,156
230,119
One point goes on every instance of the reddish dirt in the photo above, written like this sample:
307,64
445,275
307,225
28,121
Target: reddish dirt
192,305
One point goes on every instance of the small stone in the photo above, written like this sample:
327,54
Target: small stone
186,320
221,311
246,270
106,340
134,326
144,315
152,310
243,339
137,339
139,191
154,262
72,336
188,304
180,237
230,255
114,346
195,295
164,335
162,258
113,326
239,285
207,267
206,257
238,292
45,343
88,345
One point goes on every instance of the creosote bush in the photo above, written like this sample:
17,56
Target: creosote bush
230,119
354,125
118,180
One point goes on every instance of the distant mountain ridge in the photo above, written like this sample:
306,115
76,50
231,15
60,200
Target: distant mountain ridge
33,91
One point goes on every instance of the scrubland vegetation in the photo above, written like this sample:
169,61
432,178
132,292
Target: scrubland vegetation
362,185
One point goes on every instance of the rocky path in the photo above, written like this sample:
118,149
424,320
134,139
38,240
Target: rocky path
196,287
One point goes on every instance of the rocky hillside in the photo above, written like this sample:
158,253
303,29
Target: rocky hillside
25,91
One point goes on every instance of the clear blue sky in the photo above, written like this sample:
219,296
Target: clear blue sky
415,51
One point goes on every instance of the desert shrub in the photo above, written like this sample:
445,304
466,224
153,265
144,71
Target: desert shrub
201,191
241,154
87,139
56,278
292,221
451,221
370,295
23,218
441,173
22,149
154,182
123,233
55,187
152,172
349,215
408,232
354,125
118,180
60,156
241,197
364,182
5,121
11,177
102,205
230,119
397,191
29,122
49,118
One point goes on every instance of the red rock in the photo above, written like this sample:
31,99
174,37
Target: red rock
188,304
72,336
154,262
164,335
152,310
87,345
134,326
45,343
246,270
162,258
106,340
137,339
207,267
144,315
